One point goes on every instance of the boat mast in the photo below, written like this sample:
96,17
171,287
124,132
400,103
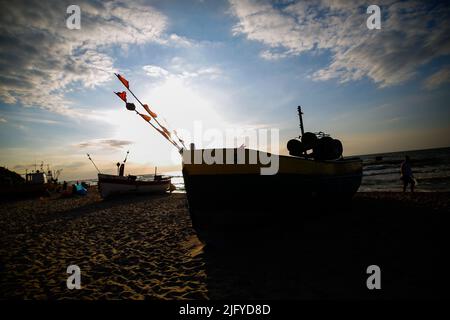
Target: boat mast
89,157
126,156
299,109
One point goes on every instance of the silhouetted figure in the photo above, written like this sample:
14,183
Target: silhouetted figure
122,169
407,174
64,186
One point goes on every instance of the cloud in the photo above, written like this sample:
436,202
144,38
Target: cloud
412,34
437,79
104,143
180,69
3,120
181,41
41,59
25,166
71,165
155,71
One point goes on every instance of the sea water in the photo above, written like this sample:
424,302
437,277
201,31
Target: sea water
431,169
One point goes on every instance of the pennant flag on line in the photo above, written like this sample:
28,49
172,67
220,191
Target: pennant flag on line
145,117
150,112
123,80
122,95
164,134
165,130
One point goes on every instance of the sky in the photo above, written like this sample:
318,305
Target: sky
217,65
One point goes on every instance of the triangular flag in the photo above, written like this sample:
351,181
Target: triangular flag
164,134
145,117
165,130
124,81
150,112
122,95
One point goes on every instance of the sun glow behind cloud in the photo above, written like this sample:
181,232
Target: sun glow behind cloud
178,105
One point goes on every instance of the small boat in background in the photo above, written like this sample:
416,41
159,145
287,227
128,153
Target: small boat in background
109,184
35,183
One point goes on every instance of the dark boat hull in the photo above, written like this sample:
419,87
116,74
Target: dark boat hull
237,194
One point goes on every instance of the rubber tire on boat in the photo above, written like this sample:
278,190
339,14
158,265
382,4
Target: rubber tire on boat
339,149
309,140
328,148
295,147
321,148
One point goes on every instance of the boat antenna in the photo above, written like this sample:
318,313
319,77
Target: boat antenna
300,113
126,156
93,162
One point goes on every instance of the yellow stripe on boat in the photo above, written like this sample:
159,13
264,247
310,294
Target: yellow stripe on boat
287,164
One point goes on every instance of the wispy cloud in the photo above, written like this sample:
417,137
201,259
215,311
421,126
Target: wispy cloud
181,41
438,78
41,59
155,71
180,69
24,166
412,34
104,143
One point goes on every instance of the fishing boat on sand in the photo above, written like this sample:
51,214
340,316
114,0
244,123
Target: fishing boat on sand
35,183
228,194
238,193
112,185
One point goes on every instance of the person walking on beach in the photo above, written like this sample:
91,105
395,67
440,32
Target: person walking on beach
407,175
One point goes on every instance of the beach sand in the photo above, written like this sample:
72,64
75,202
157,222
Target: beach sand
130,248
144,247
